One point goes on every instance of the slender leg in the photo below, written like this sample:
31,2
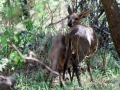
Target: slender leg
66,62
72,75
64,70
62,83
69,73
72,70
53,66
88,68
75,68
60,80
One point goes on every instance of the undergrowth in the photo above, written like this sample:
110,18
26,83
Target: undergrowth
33,79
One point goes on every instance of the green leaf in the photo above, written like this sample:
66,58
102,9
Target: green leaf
16,61
6,32
16,32
41,6
42,13
21,60
9,11
16,39
20,64
3,39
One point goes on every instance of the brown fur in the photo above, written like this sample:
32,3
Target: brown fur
57,54
7,83
81,42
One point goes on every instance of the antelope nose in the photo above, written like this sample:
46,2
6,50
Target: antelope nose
70,24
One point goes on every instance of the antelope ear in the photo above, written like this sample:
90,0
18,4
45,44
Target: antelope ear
84,14
70,10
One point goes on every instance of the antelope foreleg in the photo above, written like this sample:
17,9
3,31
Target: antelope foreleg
88,68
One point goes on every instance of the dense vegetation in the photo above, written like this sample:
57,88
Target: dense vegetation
26,24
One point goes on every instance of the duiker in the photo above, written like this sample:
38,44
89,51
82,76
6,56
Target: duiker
57,56
81,42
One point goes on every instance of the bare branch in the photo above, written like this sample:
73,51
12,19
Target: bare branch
58,21
32,59
35,59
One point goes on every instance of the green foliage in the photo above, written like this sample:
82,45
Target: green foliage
21,38
3,40
3,63
8,66
27,32
34,80
14,57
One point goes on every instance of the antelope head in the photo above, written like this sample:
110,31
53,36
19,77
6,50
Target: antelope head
74,18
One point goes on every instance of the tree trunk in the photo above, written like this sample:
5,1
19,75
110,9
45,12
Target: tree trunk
113,17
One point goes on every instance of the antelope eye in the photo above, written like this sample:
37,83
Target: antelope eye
76,18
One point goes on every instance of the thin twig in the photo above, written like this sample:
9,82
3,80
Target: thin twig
58,21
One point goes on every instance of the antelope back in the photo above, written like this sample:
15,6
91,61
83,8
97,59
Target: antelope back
81,40
79,34
57,51
59,41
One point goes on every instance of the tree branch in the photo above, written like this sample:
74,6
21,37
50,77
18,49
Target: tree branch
32,59
35,59
58,21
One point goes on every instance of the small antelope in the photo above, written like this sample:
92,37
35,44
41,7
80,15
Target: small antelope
57,56
80,41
